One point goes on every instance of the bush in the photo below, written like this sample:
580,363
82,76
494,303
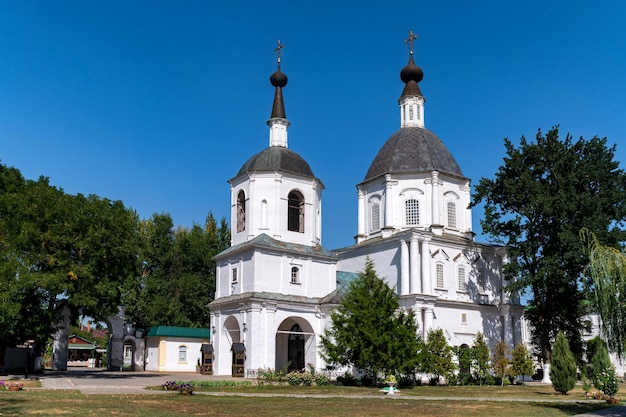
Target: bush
347,380
607,382
294,378
307,379
367,381
406,380
321,379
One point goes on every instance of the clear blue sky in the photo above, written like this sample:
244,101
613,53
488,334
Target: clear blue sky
159,103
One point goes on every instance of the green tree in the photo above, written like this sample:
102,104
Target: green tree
369,331
178,273
593,345
465,356
501,363
481,363
55,246
522,363
540,198
600,362
608,272
563,369
436,356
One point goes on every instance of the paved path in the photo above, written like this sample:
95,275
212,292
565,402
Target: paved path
94,381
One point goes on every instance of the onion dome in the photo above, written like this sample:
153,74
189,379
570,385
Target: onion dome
410,75
278,79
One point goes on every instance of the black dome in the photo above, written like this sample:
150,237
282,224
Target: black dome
411,150
277,158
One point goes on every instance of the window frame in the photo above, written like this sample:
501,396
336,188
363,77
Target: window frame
439,283
182,354
295,276
411,212
461,285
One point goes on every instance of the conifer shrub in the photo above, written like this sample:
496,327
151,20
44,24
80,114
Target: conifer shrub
562,366
600,363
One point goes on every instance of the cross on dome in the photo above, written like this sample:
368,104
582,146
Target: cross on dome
409,41
279,47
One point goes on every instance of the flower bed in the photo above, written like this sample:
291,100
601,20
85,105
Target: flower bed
181,387
11,386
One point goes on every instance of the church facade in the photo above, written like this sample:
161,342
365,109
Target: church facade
276,284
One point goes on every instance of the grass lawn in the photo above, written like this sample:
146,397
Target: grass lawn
343,401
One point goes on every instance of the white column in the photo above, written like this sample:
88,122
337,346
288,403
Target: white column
427,276
414,268
428,321
435,197
388,202
467,213
361,213
404,268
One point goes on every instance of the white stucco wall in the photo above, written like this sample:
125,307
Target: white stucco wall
273,189
162,354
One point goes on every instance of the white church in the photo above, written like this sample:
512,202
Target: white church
276,284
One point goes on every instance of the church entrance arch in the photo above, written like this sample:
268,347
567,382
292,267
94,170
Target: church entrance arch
232,330
295,344
295,348
237,346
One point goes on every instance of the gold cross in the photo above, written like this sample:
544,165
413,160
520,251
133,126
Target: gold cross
409,41
279,46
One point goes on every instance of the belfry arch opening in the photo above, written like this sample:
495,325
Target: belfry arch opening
295,212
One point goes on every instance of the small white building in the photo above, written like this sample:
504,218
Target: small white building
276,285
174,349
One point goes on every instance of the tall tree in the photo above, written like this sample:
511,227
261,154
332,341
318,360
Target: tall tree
178,273
436,356
608,271
542,195
563,369
368,330
600,363
500,363
481,363
55,246
522,363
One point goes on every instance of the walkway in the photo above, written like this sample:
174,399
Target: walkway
95,381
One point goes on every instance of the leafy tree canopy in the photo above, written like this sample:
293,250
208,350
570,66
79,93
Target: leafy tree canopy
480,363
55,246
177,278
540,198
436,356
369,331
522,363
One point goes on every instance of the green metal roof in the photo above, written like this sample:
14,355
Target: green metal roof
173,331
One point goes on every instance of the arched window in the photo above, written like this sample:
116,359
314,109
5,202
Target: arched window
439,270
374,215
295,275
411,212
241,211
451,214
462,285
182,353
295,212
